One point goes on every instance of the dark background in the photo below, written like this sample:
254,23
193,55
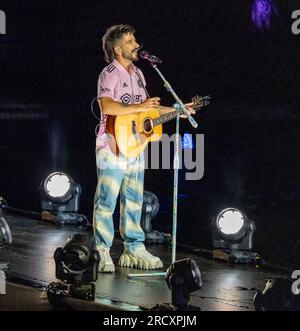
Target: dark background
50,60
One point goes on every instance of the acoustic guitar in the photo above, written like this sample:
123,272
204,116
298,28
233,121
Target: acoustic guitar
130,134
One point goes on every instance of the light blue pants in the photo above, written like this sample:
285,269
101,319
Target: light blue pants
125,176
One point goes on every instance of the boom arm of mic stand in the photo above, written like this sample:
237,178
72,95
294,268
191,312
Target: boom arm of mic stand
180,104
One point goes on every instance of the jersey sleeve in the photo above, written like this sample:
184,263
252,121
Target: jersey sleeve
107,82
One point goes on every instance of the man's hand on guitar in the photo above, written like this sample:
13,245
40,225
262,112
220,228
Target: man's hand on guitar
189,107
149,104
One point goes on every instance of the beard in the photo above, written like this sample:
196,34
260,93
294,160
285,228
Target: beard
131,56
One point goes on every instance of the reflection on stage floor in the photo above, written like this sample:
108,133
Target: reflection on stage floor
225,287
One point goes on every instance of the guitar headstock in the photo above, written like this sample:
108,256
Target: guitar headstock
199,102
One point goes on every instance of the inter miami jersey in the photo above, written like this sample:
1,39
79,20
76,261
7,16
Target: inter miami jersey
121,85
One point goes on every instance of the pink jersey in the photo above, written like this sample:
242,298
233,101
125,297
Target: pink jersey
117,83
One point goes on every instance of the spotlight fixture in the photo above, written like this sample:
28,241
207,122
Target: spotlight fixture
5,234
76,266
232,236
60,197
60,193
77,261
183,277
277,296
149,210
5,238
263,11
3,203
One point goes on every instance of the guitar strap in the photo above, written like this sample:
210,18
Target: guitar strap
147,94
141,80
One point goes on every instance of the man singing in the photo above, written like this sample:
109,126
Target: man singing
121,90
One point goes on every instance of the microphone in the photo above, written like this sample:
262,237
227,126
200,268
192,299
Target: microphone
152,58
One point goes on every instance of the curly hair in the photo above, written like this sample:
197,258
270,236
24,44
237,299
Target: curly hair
111,37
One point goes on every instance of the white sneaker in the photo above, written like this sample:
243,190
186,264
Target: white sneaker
106,263
140,259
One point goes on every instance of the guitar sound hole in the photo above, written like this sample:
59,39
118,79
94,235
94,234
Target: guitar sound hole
148,125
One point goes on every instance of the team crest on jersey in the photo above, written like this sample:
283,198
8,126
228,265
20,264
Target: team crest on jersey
125,98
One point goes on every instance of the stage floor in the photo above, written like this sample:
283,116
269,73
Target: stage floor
225,287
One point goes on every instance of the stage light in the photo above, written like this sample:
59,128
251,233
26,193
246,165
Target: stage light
262,12
77,261
230,221
3,203
183,277
60,197
149,210
277,296
232,234
57,185
60,193
76,265
5,234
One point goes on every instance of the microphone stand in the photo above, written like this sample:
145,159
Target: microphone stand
179,108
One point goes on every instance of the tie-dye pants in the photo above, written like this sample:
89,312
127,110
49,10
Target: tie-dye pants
125,176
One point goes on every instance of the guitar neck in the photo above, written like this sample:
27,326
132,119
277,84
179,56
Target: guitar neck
197,101
165,118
